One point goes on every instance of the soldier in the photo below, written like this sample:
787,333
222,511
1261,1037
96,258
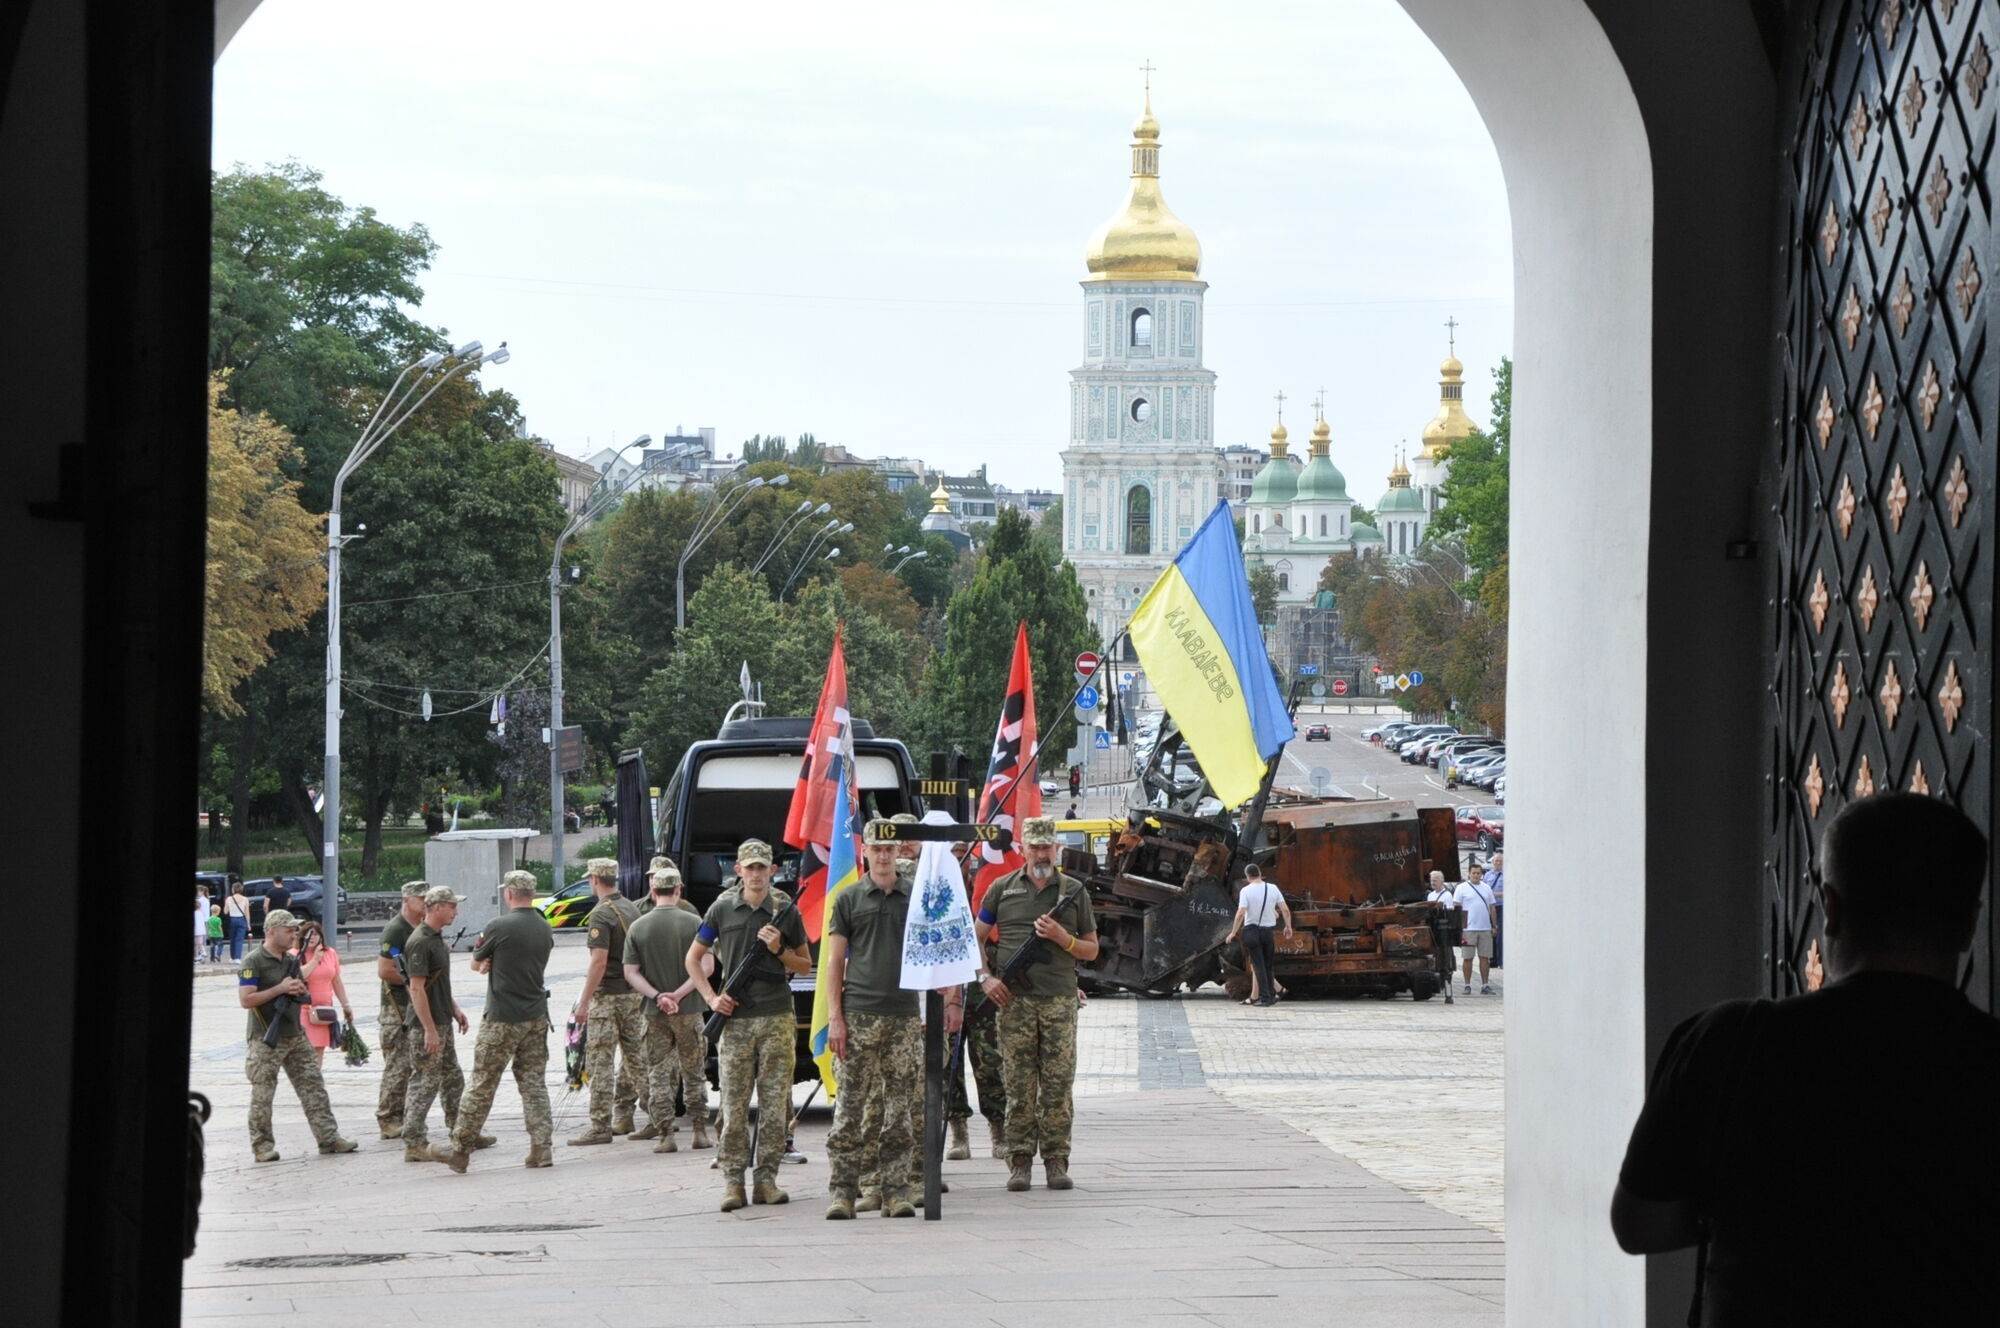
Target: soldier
656,967
982,1051
434,1068
263,977
757,1041
394,1012
1038,1016
609,1009
513,952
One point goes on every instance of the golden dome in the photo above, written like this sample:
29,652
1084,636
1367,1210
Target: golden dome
1145,241
1399,478
1451,423
1322,439
940,500
1280,440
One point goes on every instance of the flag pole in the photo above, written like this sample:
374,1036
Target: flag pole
1029,760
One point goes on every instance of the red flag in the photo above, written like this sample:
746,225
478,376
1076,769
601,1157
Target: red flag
1001,802
809,822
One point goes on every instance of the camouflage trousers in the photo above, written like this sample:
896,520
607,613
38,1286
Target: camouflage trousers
395,1068
756,1052
675,1051
880,1110
433,1075
982,1049
293,1055
1038,1049
525,1046
617,1022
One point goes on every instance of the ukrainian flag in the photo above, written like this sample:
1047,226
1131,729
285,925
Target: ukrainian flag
1197,635
842,870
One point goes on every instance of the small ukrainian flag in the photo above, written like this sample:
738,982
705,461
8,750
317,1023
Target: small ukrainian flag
1196,633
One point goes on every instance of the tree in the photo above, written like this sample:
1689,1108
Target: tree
809,454
264,573
1264,592
872,590
1475,492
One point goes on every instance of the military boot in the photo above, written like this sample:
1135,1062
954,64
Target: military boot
1056,1169
266,1152
700,1121
649,1130
667,1144
841,1209
997,1132
1020,1172
961,1141
622,1125
869,1202
416,1152
767,1192
453,1157
392,1129
540,1155
484,1141
898,1205
338,1145
593,1135
732,1195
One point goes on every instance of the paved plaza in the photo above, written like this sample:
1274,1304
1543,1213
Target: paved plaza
1316,1162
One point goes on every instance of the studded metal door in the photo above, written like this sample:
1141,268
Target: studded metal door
1887,423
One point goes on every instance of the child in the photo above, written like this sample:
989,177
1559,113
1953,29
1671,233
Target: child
215,933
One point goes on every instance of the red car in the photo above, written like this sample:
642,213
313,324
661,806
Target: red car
1318,733
1484,826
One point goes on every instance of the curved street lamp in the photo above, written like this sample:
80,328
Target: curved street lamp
920,553
707,527
826,532
803,513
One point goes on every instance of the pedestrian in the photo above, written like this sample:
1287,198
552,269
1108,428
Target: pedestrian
1496,885
513,954
267,974
1476,941
319,965
434,1069
236,912
214,933
656,967
757,1049
1075,780
200,921
1259,908
1038,1013
875,1033
279,896
1440,893
610,1011
392,1015
1847,1213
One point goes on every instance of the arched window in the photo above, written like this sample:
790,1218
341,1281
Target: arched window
1284,580
1142,329
1257,524
1138,521
1322,525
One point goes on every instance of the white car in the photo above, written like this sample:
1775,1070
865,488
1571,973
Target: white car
1050,786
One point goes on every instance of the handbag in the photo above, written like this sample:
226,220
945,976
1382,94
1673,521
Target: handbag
328,1018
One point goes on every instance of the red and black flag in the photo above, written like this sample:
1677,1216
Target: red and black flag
809,823
1012,793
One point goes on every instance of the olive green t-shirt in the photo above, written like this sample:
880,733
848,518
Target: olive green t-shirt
428,957
608,924
518,942
394,937
731,928
872,919
263,970
659,945
1015,903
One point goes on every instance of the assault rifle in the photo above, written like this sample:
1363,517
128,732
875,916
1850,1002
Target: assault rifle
281,1006
739,981
1025,956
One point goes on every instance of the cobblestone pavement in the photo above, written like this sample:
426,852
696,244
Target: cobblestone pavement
1315,1161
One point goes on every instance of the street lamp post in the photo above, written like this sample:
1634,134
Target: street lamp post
826,532
706,527
920,553
790,527
388,417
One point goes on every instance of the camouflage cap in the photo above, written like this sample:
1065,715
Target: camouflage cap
415,889
519,882
754,850
442,894
279,917
1038,830
878,831
660,862
905,818
665,879
604,867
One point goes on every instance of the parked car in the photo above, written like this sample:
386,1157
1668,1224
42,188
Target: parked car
1318,733
1484,826
1051,787
1383,732
1480,771
1421,733
1500,791
569,906
1457,749
308,896
1417,749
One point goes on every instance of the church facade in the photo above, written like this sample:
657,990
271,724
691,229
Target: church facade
1141,470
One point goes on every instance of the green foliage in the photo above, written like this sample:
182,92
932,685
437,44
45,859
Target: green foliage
1475,495
1413,613
1264,592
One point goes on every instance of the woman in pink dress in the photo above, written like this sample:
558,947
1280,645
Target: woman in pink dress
319,964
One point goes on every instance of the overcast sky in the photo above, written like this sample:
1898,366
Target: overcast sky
867,220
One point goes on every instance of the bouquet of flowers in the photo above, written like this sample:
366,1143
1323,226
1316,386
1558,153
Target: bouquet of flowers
353,1047
573,1046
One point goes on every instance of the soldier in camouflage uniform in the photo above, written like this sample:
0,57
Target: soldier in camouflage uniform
1038,1015
982,1052
513,953
758,1041
264,975
394,1012
434,1067
656,966
610,1010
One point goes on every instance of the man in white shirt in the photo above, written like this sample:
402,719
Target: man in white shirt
1476,899
1259,906
1440,892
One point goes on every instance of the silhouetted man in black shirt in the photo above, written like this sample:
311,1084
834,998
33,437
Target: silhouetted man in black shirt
1831,1148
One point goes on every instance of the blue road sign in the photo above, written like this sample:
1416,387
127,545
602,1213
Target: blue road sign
1309,670
1416,678
1087,699
1124,687
1103,740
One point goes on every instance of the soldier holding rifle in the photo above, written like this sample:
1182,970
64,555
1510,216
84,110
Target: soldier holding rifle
1037,1009
752,921
268,985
